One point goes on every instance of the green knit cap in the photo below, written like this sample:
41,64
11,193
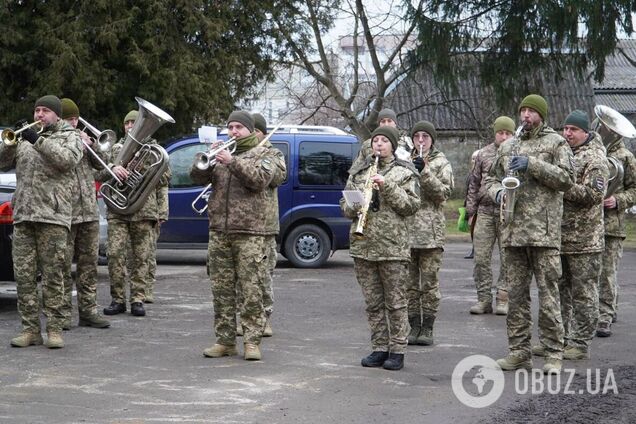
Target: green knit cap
51,102
537,103
387,113
579,119
259,122
504,123
131,116
389,132
69,109
425,126
243,117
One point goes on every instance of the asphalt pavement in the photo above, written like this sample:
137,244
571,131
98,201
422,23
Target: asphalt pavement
151,369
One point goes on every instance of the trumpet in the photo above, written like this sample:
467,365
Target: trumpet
10,137
204,160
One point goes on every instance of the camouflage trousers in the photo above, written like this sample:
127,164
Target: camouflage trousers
382,284
484,237
152,263
238,264
141,236
578,289
268,289
83,244
608,284
545,264
422,288
40,247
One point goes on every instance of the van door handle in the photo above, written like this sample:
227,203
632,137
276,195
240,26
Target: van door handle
312,197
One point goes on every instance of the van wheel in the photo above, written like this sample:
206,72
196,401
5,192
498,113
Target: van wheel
307,246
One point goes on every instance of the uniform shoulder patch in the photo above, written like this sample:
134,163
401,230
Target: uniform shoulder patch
266,164
599,184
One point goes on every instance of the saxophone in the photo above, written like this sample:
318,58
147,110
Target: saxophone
367,193
511,183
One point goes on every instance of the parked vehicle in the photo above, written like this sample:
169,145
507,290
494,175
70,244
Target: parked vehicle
311,223
7,188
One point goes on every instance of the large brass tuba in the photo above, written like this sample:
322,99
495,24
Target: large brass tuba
144,162
612,126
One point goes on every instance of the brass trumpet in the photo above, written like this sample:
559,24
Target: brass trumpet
204,160
10,137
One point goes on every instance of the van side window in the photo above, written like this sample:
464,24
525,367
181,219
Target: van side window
323,163
181,161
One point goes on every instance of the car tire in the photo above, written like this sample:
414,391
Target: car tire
307,246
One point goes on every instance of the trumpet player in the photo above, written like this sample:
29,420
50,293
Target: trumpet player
83,238
427,232
483,214
381,254
582,234
138,229
543,161
42,216
240,213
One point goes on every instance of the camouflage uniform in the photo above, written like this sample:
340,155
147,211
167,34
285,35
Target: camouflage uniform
382,254
533,238
42,220
427,236
486,213
238,210
163,211
83,240
139,230
582,242
615,231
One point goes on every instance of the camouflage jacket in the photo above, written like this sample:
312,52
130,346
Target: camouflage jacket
272,219
582,228
477,199
386,233
405,143
84,195
150,210
625,194
539,198
44,175
161,194
242,192
428,227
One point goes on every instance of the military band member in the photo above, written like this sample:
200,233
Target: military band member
381,254
624,197
239,210
83,241
42,215
427,230
543,161
138,229
485,214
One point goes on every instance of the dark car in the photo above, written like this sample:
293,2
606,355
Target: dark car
311,223
7,188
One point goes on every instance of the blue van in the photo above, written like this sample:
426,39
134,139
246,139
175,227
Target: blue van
311,224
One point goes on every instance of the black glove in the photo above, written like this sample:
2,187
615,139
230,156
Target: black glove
519,163
30,135
20,124
419,163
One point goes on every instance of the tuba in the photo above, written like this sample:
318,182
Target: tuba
144,162
612,126
510,183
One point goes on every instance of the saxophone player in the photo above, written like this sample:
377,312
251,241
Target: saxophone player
532,239
381,254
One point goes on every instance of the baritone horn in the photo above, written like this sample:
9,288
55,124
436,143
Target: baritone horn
10,137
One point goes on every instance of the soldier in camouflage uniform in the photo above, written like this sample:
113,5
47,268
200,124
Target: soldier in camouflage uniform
427,231
386,118
83,241
42,217
482,209
532,239
624,197
239,210
581,238
381,254
138,229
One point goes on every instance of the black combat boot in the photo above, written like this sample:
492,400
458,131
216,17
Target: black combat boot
115,308
395,362
376,359
137,309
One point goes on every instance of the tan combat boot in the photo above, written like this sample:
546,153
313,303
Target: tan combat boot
219,350
425,338
252,352
54,340
501,303
552,366
538,350
575,353
27,339
481,308
93,320
514,362
267,331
